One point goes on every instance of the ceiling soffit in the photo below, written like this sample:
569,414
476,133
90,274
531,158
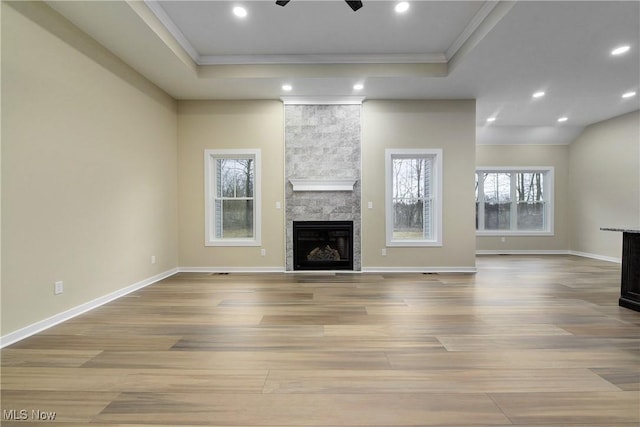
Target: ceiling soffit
316,65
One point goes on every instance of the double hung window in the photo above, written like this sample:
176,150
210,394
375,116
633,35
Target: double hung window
413,197
232,193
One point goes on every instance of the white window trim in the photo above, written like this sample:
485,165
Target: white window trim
436,175
210,157
549,206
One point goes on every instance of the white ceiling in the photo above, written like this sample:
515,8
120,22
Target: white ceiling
497,52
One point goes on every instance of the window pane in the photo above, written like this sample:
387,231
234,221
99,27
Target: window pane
411,177
529,187
497,201
412,209
531,216
529,190
408,219
226,178
244,177
235,177
234,219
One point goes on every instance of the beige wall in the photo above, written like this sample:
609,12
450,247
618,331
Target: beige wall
556,156
259,124
227,125
449,125
604,185
89,179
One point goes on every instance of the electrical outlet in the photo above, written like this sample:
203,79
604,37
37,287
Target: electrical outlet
278,205
503,239
263,252
153,259
383,252
58,288
370,205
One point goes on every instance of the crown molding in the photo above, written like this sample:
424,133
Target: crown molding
323,100
489,15
173,29
417,58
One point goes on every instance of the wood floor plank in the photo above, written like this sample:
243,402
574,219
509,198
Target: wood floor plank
134,380
93,342
409,409
576,407
241,360
474,329
522,359
571,342
437,380
46,357
625,379
290,343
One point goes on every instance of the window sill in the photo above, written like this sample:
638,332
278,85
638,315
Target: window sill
233,243
413,244
504,233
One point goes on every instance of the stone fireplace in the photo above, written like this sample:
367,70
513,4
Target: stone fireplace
322,171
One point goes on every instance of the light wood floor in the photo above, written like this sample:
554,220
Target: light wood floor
528,341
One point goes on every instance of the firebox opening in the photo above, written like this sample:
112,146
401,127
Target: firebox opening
323,245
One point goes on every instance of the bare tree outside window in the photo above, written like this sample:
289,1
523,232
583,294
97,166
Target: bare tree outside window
512,200
412,205
530,201
497,201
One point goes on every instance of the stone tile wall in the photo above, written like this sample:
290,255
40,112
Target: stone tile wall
322,142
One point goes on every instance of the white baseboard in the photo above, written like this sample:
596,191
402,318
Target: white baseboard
596,256
230,269
250,270
40,326
550,252
522,252
464,270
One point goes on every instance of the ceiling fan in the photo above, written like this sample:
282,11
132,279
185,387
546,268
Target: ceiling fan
354,5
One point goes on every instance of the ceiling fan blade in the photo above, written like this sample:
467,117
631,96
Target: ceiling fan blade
354,5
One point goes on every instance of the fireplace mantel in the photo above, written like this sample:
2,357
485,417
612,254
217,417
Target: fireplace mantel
322,184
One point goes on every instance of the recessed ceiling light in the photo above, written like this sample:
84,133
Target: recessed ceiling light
491,119
620,50
240,12
629,95
539,94
402,7
287,88
563,119
358,86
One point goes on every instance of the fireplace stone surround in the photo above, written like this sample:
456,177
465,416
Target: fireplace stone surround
322,145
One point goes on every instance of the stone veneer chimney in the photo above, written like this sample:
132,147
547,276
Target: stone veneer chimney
322,143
